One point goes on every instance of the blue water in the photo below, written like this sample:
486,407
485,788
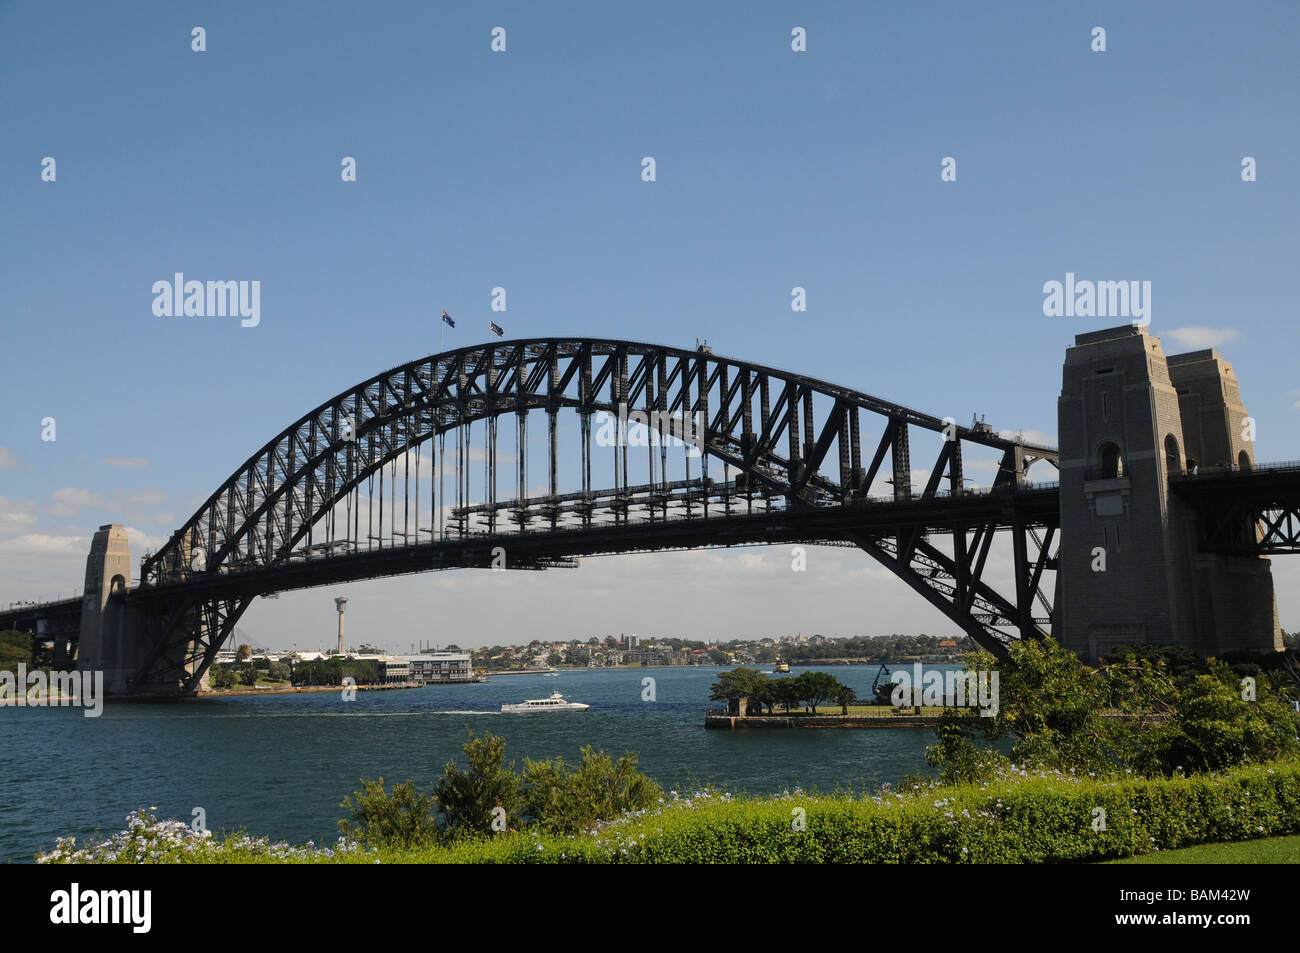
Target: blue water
280,765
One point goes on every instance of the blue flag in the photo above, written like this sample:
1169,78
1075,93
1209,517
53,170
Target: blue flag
446,319
496,329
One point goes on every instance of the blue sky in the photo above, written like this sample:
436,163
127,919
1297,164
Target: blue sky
522,169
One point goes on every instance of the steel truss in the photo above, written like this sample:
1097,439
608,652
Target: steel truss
723,440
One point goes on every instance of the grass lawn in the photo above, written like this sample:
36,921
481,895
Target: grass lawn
1269,850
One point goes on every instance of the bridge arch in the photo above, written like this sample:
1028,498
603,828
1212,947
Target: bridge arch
757,442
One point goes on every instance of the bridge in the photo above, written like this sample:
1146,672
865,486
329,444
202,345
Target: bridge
643,448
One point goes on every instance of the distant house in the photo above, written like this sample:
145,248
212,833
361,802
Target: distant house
948,644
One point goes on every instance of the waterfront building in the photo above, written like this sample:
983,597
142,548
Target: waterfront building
392,669
440,667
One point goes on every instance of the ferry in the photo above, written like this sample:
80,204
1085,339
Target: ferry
555,703
782,668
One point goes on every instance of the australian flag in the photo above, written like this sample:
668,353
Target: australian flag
446,319
496,329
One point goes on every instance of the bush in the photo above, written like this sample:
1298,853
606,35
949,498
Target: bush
1060,714
403,819
467,800
1213,727
562,800
221,678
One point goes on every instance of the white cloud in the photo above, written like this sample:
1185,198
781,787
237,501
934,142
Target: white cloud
1198,337
8,459
16,517
71,496
133,462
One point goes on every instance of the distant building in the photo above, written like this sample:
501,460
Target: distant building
631,642
393,670
439,667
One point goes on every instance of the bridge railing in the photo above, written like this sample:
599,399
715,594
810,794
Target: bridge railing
1234,470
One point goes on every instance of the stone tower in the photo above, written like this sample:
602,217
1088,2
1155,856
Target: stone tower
1130,572
108,569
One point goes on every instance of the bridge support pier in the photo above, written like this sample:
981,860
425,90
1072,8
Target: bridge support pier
102,643
116,637
1131,570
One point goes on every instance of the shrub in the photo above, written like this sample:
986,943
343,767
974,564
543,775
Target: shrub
467,799
1213,727
564,800
403,819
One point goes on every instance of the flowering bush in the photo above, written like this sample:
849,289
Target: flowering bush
148,840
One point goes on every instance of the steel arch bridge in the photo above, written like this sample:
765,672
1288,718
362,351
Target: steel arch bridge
641,448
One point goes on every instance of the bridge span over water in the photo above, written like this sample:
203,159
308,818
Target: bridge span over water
634,447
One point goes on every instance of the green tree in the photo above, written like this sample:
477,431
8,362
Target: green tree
565,800
1050,704
844,697
816,687
466,799
763,692
403,819
737,684
15,647
786,692
958,758
221,678
1214,726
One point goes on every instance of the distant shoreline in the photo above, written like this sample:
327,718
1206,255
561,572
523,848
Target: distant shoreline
304,690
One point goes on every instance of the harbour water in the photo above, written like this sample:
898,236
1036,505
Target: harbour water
280,765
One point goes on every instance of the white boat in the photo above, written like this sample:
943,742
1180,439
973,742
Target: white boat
555,703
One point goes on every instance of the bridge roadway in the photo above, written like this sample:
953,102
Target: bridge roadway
540,549
1245,512
1233,495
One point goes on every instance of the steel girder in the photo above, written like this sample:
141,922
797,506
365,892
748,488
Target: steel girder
1245,512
